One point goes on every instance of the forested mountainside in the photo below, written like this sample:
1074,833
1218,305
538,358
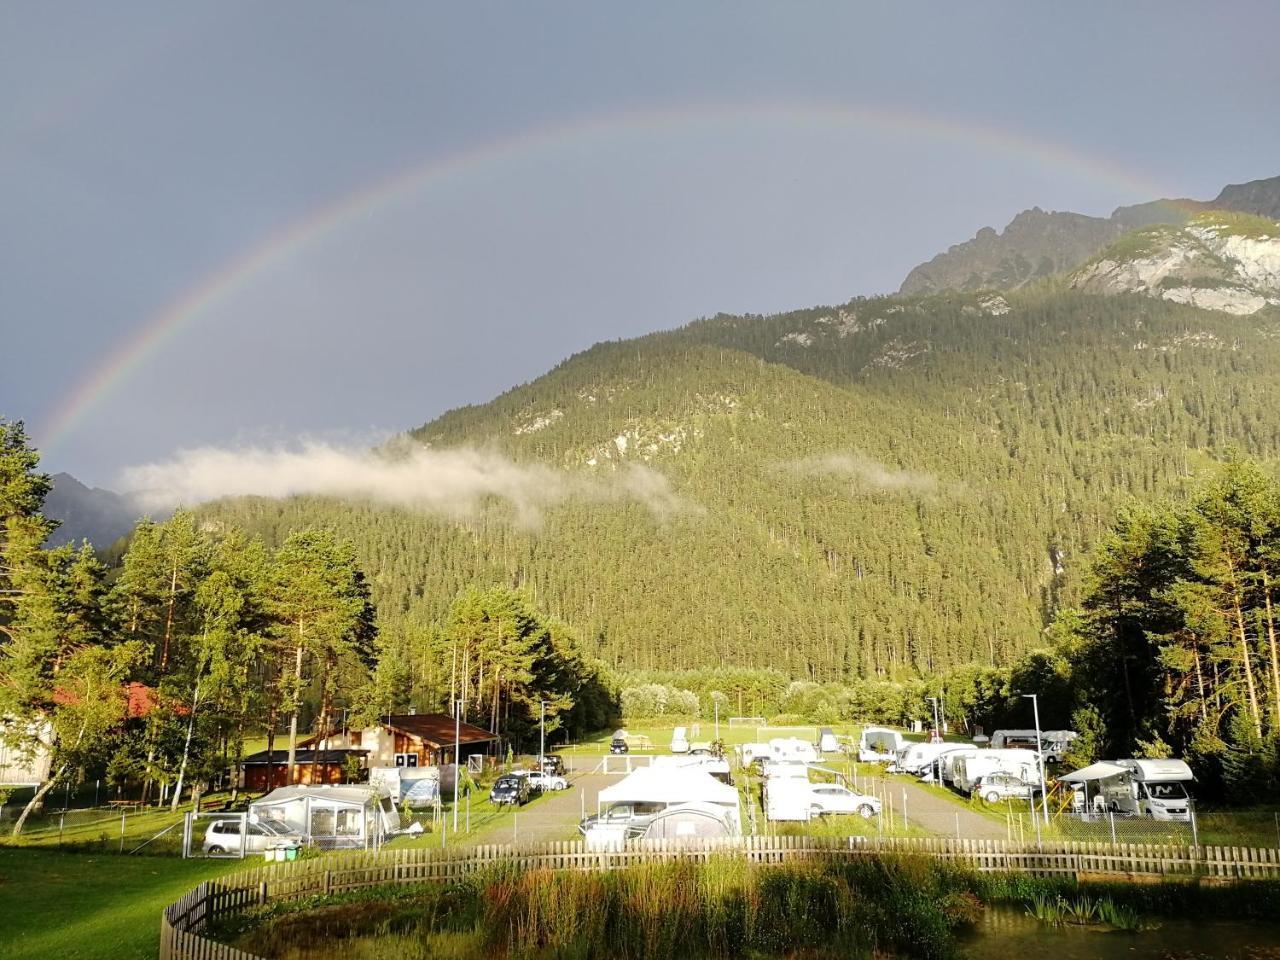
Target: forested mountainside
88,513
894,486
1038,244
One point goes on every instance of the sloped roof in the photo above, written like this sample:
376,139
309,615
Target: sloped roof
436,729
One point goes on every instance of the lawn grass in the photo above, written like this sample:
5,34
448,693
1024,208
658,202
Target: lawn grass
76,906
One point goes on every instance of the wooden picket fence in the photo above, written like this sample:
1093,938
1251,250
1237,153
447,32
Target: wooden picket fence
183,923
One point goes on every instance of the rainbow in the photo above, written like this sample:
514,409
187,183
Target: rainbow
222,285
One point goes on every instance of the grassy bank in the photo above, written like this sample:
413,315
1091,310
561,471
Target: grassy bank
75,906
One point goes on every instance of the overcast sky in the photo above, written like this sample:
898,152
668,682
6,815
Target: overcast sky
590,171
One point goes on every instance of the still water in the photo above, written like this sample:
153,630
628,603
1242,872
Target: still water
1006,933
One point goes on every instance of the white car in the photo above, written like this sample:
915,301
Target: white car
830,798
548,781
223,837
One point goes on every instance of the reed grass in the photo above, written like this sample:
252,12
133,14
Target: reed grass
724,908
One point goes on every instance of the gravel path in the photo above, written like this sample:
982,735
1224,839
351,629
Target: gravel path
941,816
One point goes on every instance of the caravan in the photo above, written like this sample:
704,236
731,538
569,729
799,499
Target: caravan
972,765
879,745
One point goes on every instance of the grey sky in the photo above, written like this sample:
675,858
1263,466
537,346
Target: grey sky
144,147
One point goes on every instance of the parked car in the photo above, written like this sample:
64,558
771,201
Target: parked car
510,788
548,781
831,798
223,836
634,816
994,787
553,763
618,745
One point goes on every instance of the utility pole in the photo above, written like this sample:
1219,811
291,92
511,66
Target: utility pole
1044,793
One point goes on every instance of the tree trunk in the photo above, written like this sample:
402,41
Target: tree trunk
294,705
1275,658
38,799
186,748
168,621
1246,659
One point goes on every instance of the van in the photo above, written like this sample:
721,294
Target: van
1150,788
680,740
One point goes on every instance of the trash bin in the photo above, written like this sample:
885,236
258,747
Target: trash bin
291,853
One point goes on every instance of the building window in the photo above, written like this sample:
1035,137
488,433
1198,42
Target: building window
406,759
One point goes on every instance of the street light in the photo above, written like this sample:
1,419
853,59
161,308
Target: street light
937,757
1044,792
542,739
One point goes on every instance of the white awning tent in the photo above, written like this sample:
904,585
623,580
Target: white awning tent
1102,770
670,785
330,816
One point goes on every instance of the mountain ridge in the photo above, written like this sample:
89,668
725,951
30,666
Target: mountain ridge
1037,244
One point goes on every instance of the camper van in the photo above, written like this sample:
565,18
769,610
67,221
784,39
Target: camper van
1150,788
680,740
827,742
879,745
967,769
1056,743
792,750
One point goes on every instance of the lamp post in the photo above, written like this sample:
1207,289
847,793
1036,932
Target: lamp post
1044,792
716,701
457,749
542,739
937,757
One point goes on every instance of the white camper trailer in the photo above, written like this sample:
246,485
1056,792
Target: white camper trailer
748,753
792,750
788,798
879,745
680,740
947,762
827,741
922,759
1143,788
1023,764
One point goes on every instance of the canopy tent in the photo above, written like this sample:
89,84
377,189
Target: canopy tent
1101,770
670,785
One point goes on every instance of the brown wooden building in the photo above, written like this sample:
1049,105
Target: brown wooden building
413,740
263,770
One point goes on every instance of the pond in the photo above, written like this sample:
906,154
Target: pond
1012,933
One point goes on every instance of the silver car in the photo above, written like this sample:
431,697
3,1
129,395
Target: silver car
223,837
994,787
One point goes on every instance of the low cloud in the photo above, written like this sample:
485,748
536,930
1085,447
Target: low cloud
454,483
865,471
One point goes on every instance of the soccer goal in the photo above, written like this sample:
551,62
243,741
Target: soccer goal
746,721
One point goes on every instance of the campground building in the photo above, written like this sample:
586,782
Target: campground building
396,740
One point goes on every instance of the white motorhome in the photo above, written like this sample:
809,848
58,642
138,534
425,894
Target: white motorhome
1056,743
1023,764
1143,788
1153,788
680,740
879,745
792,750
